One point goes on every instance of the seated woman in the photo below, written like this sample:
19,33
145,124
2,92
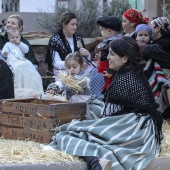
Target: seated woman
16,22
129,130
27,80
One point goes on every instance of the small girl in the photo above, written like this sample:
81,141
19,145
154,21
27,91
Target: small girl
74,68
143,35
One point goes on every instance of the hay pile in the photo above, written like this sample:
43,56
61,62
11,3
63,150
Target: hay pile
18,151
166,139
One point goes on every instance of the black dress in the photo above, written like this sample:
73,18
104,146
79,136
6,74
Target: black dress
6,81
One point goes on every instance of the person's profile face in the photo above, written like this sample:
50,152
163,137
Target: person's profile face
105,32
115,61
70,28
128,27
155,30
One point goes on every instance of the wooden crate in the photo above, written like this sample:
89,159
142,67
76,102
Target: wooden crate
34,119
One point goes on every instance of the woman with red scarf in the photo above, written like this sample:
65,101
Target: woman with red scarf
132,18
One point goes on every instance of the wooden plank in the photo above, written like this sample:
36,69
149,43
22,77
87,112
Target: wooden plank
26,134
23,100
28,122
60,122
54,109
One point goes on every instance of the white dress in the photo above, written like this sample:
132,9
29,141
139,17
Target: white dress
27,80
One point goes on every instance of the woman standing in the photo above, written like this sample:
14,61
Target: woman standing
16,22
64,42
132,18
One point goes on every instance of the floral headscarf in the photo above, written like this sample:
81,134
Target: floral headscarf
163,23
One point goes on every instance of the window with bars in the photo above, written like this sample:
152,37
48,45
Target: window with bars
10,5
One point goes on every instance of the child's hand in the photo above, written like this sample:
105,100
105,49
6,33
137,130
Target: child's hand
51,91
17,42
106,74
5,54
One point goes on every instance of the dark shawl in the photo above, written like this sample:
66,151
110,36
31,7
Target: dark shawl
6,81
30,55
130,90
59,43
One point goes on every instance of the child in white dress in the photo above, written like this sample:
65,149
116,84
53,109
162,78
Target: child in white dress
26,77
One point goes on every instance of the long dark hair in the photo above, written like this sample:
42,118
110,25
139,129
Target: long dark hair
127,46
66,18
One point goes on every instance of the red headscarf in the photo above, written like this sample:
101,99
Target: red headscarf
135,16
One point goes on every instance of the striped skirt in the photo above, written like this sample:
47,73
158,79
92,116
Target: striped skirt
118,138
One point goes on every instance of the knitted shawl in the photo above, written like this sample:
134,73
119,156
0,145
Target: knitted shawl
59,43
130,90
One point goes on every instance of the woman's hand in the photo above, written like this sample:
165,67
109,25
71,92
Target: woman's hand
84,52
51,91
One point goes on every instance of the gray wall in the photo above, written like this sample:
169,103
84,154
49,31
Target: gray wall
27,18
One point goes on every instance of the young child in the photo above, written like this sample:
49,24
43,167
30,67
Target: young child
143,33
110,27
26,77
152,69
14,48
74,68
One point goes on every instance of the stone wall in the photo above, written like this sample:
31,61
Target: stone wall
40,52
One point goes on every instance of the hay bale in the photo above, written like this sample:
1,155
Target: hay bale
23,152
166,139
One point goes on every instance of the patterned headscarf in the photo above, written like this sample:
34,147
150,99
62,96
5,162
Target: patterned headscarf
135,16
163,23
144,27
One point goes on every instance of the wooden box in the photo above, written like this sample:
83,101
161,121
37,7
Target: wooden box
33,119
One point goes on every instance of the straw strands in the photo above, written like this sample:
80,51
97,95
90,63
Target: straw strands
18,151
70,81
